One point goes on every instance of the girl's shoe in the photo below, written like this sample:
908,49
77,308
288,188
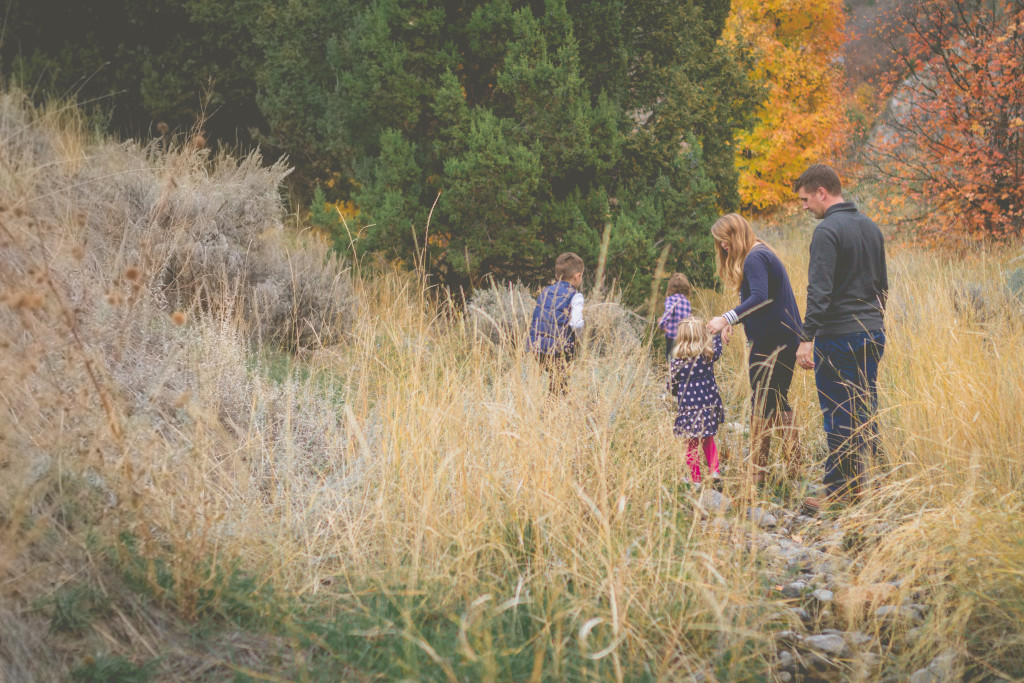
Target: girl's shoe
716,482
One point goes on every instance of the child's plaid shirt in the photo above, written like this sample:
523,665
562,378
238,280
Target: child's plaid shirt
677,307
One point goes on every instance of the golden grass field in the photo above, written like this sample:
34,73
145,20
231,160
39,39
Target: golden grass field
399,497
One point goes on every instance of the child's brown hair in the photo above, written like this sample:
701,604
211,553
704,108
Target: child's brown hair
567,265
678,284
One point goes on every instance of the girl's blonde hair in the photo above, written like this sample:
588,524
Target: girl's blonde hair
734,230
692,340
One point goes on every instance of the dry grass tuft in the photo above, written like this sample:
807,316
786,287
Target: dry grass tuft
502,314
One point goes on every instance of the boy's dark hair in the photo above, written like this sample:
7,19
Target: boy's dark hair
678,284
567,265
819,175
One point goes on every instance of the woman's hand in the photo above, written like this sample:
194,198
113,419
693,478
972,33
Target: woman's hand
718,324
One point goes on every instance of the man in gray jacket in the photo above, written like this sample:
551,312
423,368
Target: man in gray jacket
844,331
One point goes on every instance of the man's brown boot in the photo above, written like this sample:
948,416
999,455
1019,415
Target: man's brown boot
848,494
813,505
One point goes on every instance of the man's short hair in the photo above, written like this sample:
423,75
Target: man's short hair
567,265
819,175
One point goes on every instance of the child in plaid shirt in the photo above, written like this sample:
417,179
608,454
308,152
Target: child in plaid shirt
677,307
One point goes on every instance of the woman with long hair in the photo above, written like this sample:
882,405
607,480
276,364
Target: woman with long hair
773,326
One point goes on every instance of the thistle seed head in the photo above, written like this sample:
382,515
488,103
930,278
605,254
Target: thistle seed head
25,300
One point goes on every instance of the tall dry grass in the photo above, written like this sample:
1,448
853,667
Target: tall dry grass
944,512
420,466
135,283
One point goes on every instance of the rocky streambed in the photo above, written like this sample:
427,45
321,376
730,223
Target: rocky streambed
843,630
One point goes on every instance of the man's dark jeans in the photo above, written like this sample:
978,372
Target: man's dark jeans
846,372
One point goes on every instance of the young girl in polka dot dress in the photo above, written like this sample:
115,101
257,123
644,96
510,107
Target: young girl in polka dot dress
692,382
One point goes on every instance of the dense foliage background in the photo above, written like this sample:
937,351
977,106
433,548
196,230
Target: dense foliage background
483,137
536,122
804,118
953,140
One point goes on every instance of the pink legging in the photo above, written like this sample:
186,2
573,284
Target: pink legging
710,455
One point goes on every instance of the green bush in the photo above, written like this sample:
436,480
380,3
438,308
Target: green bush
74,608
108,668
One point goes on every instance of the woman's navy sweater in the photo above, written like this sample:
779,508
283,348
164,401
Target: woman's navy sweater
776,323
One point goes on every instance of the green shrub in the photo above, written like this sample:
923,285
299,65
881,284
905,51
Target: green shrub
108,668
74,608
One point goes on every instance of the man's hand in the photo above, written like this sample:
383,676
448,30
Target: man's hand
805,355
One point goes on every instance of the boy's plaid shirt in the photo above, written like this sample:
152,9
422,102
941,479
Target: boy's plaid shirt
677,307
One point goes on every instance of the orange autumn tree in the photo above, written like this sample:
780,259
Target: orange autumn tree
954,136
795,46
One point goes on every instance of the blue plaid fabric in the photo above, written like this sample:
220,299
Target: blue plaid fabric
677,307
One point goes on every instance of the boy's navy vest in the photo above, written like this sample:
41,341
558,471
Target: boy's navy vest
550,331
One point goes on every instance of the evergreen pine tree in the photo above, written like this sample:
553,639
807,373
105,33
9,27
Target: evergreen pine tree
526,145
521,128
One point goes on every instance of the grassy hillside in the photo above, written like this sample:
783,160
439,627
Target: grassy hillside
224,456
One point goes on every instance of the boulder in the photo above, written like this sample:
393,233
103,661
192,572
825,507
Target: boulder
712,502
856,639
790,637
762,518
944,666
794,589
831,644
923,676
801,614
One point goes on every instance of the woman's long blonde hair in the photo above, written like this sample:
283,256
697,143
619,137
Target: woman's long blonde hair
733,229
692,340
